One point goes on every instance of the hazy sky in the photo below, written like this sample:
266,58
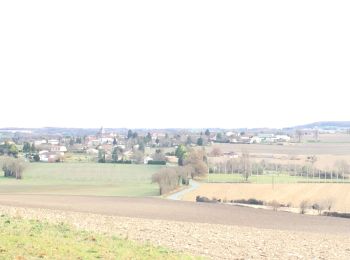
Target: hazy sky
173,63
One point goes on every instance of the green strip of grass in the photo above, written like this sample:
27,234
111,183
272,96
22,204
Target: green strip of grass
32,239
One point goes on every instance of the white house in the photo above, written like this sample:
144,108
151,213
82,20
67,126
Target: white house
146,159
282,138
58,148
40,142
53,141
255,140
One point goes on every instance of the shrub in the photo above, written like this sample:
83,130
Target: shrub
318,206
205,199
337,214
274,204
124,162
153,162
249,201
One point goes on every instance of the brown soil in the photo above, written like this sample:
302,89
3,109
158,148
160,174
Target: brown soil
153,208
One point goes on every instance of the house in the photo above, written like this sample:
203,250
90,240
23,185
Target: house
46,156
231,134
58,148
40,142
245,140
53,141
255,140
146,159
283,138
267,138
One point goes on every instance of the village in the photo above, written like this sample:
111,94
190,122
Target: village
143,147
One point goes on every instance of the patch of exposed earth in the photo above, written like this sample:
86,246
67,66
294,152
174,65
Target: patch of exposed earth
214,241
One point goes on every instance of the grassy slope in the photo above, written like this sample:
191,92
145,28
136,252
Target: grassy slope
30,239
84,179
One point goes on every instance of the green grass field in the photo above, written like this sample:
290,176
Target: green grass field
32,239
84,179
266,179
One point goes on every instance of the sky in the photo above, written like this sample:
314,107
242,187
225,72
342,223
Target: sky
173,64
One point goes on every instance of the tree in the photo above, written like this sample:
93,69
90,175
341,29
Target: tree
138,157
13,151
200,141
36,158
13,167
189,140
115,154
207,132
216,152
167,179
219,136
129,134
316,134
32,148
180,153
141,147
184,174
78,140
196,159
303,206
26,147
101,156
342,167
170,178
299,135
148,137
245,165
159,155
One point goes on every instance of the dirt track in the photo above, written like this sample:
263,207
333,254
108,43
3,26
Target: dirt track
153,208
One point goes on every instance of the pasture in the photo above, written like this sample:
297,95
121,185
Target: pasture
84,179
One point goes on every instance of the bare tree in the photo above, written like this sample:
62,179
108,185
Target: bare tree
342,167
316,135
299,135
303,206
197,160
216,152
246,165
13,167
159,155
138,157
167,179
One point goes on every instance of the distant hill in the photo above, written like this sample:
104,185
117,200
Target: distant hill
326,125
